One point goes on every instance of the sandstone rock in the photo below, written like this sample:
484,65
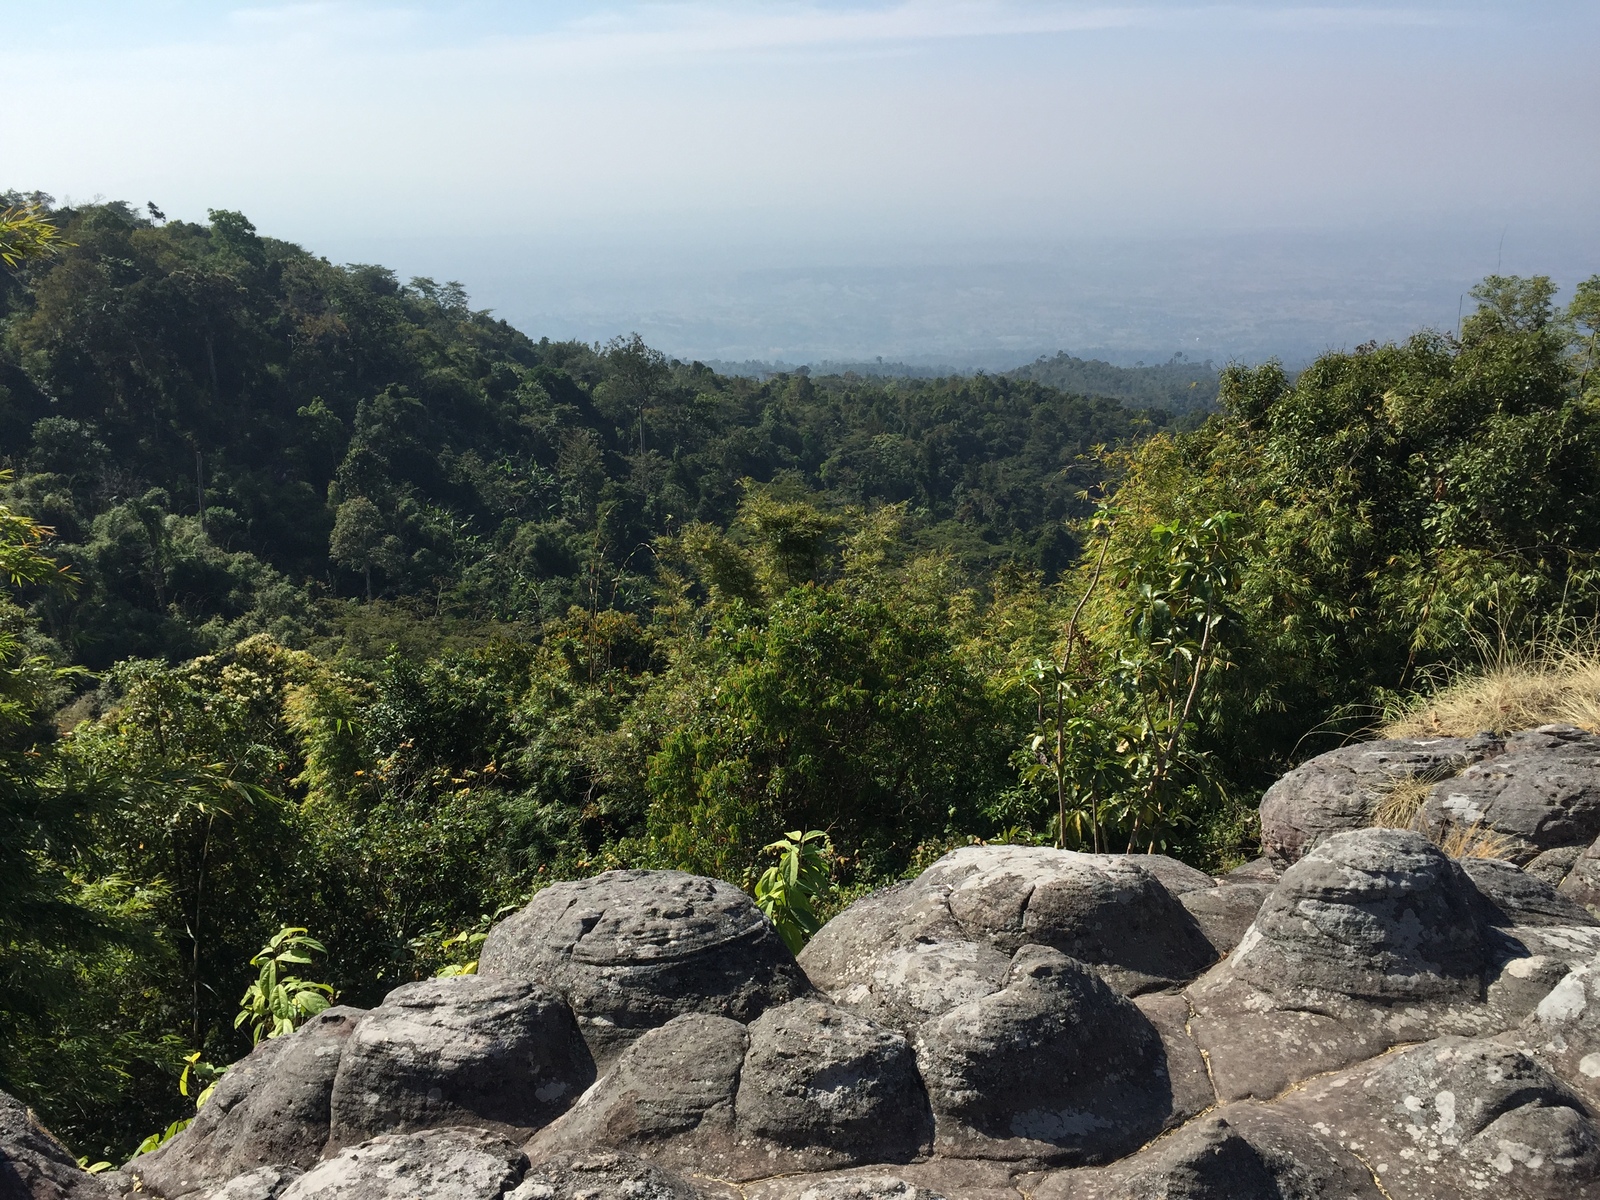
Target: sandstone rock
835,1088
630,950
1107,910
437,1164
600,1176
868,1187
1456,1117
1563,1033
1543,792
904,985
34,1166
1243,1152
271,1109
1177,877
1512,896
936,1179
1224,913
1378,913
1187,1074
1054,1067
1553,866
263,1183
1257,870
1372,940
808,1087
1337,791
669,1096
1581,884
462,1050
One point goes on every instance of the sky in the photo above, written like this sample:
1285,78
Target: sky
968,182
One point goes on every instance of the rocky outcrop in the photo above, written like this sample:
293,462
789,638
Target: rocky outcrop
630,950
1246,1152
271,1109
1457,1117
1338,791
34,1166
1372,1019
1374,939
1541,793
1110,911
1052,1067
808,1086
464,1050
434,1164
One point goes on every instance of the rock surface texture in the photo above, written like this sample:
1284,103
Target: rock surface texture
1338,791
1358,1015
630,950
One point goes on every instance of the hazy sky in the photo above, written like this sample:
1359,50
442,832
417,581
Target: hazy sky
949,170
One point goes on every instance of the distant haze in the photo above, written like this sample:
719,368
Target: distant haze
970,183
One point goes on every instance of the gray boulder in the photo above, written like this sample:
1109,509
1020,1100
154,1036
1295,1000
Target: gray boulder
1512,896
600,1176
1054,1067
463,1050
630,950
1541,793
436,1164
1338,791
668,1097
1242,1152
1380,914
832,1086
1563,1032
263,1183
34,1166
1177,877
1110,911
904,985
1553,866
1581,884
271,1109
1224,913
1372,940
1456,1117
808,1086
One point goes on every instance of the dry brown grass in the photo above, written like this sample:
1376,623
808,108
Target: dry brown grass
1475,841
1554,682
1402,803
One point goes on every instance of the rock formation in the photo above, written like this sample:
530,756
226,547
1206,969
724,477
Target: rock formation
1357,1015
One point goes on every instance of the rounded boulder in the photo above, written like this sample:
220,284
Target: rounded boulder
1054,1067
630,950
464,1050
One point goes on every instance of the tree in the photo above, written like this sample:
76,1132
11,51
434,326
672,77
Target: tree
358,538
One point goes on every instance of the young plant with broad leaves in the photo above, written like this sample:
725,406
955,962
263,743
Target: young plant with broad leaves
791,891
278,1003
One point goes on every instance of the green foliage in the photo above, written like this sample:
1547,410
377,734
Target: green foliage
1116,716
26,231
399,616
792,891
277,1003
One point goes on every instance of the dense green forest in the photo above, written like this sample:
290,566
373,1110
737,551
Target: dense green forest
337,604
1177,385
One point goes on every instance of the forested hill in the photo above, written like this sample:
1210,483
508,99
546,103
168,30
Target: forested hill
225,429
1178,385
395,615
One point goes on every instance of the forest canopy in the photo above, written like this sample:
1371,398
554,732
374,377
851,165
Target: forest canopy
337,605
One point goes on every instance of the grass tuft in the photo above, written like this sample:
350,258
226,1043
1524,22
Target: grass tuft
1402,804
1476,841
